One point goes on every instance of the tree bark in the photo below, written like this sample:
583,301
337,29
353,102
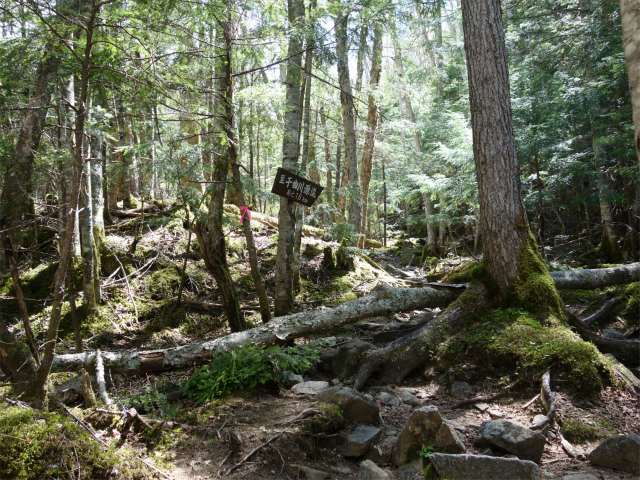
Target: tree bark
286,217
382,301
630,13
503,220
366,164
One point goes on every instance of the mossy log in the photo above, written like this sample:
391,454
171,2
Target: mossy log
382,301
596,278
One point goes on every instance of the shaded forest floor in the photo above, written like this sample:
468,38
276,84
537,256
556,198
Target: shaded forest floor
206,440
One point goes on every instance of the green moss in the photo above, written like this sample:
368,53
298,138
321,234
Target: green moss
35,444
535,348
330,421
576,431
163,283
632,309
462,273
344,299
535,292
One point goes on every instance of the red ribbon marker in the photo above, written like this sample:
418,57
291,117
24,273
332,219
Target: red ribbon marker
244,211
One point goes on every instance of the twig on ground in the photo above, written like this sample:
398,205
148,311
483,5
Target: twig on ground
102,389
250,454
485,398
126,280
600,313
530,402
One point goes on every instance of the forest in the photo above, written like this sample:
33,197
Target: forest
320,239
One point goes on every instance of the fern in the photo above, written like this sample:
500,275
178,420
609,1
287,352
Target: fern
246,367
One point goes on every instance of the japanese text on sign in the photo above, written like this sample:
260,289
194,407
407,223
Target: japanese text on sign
296,188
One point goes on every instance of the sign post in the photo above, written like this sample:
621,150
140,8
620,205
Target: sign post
291,186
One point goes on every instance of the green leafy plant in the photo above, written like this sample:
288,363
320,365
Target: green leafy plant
155,403
426,451
246,367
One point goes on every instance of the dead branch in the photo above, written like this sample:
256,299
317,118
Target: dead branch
126,280
278,435
530,402
596,278
102,389
486,398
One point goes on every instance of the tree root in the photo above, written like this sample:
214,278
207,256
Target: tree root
600,313
627,351
547,398
402,356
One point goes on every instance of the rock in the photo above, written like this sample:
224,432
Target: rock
380,452
409,470
388,399
480,442
355,406
427,428
370,471
347,360
326,359
613,334
410,399
309,388
341,469
455,467
459,389
291,379
335,381
495,414
514,438
579,476
311,474
505,401
619,452
359,441
538,419
483,407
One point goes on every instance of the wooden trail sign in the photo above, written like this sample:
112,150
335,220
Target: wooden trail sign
291,186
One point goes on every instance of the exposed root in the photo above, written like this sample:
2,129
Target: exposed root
600,313
547,398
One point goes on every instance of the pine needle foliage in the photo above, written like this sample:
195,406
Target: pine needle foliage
248,366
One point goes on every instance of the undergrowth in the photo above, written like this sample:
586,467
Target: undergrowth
36,444
248,366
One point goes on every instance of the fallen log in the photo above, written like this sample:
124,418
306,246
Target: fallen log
381,301
589,279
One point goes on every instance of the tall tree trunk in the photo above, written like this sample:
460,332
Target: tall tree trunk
17,205
302,171
40,384
630,13
429,208
327,155
352,192
366,164
511,257
87,244
286,216
229,128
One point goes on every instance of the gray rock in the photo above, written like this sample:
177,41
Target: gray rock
579,476
335,381
619,452
326,359
388,399
341,469
459,389
483,407
427,428
495,414
514,438
309,388
613,334
370,471
291,379
312,474
348,358
538,418
454,467
409,470
355,406
359,441
410,399
380,452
